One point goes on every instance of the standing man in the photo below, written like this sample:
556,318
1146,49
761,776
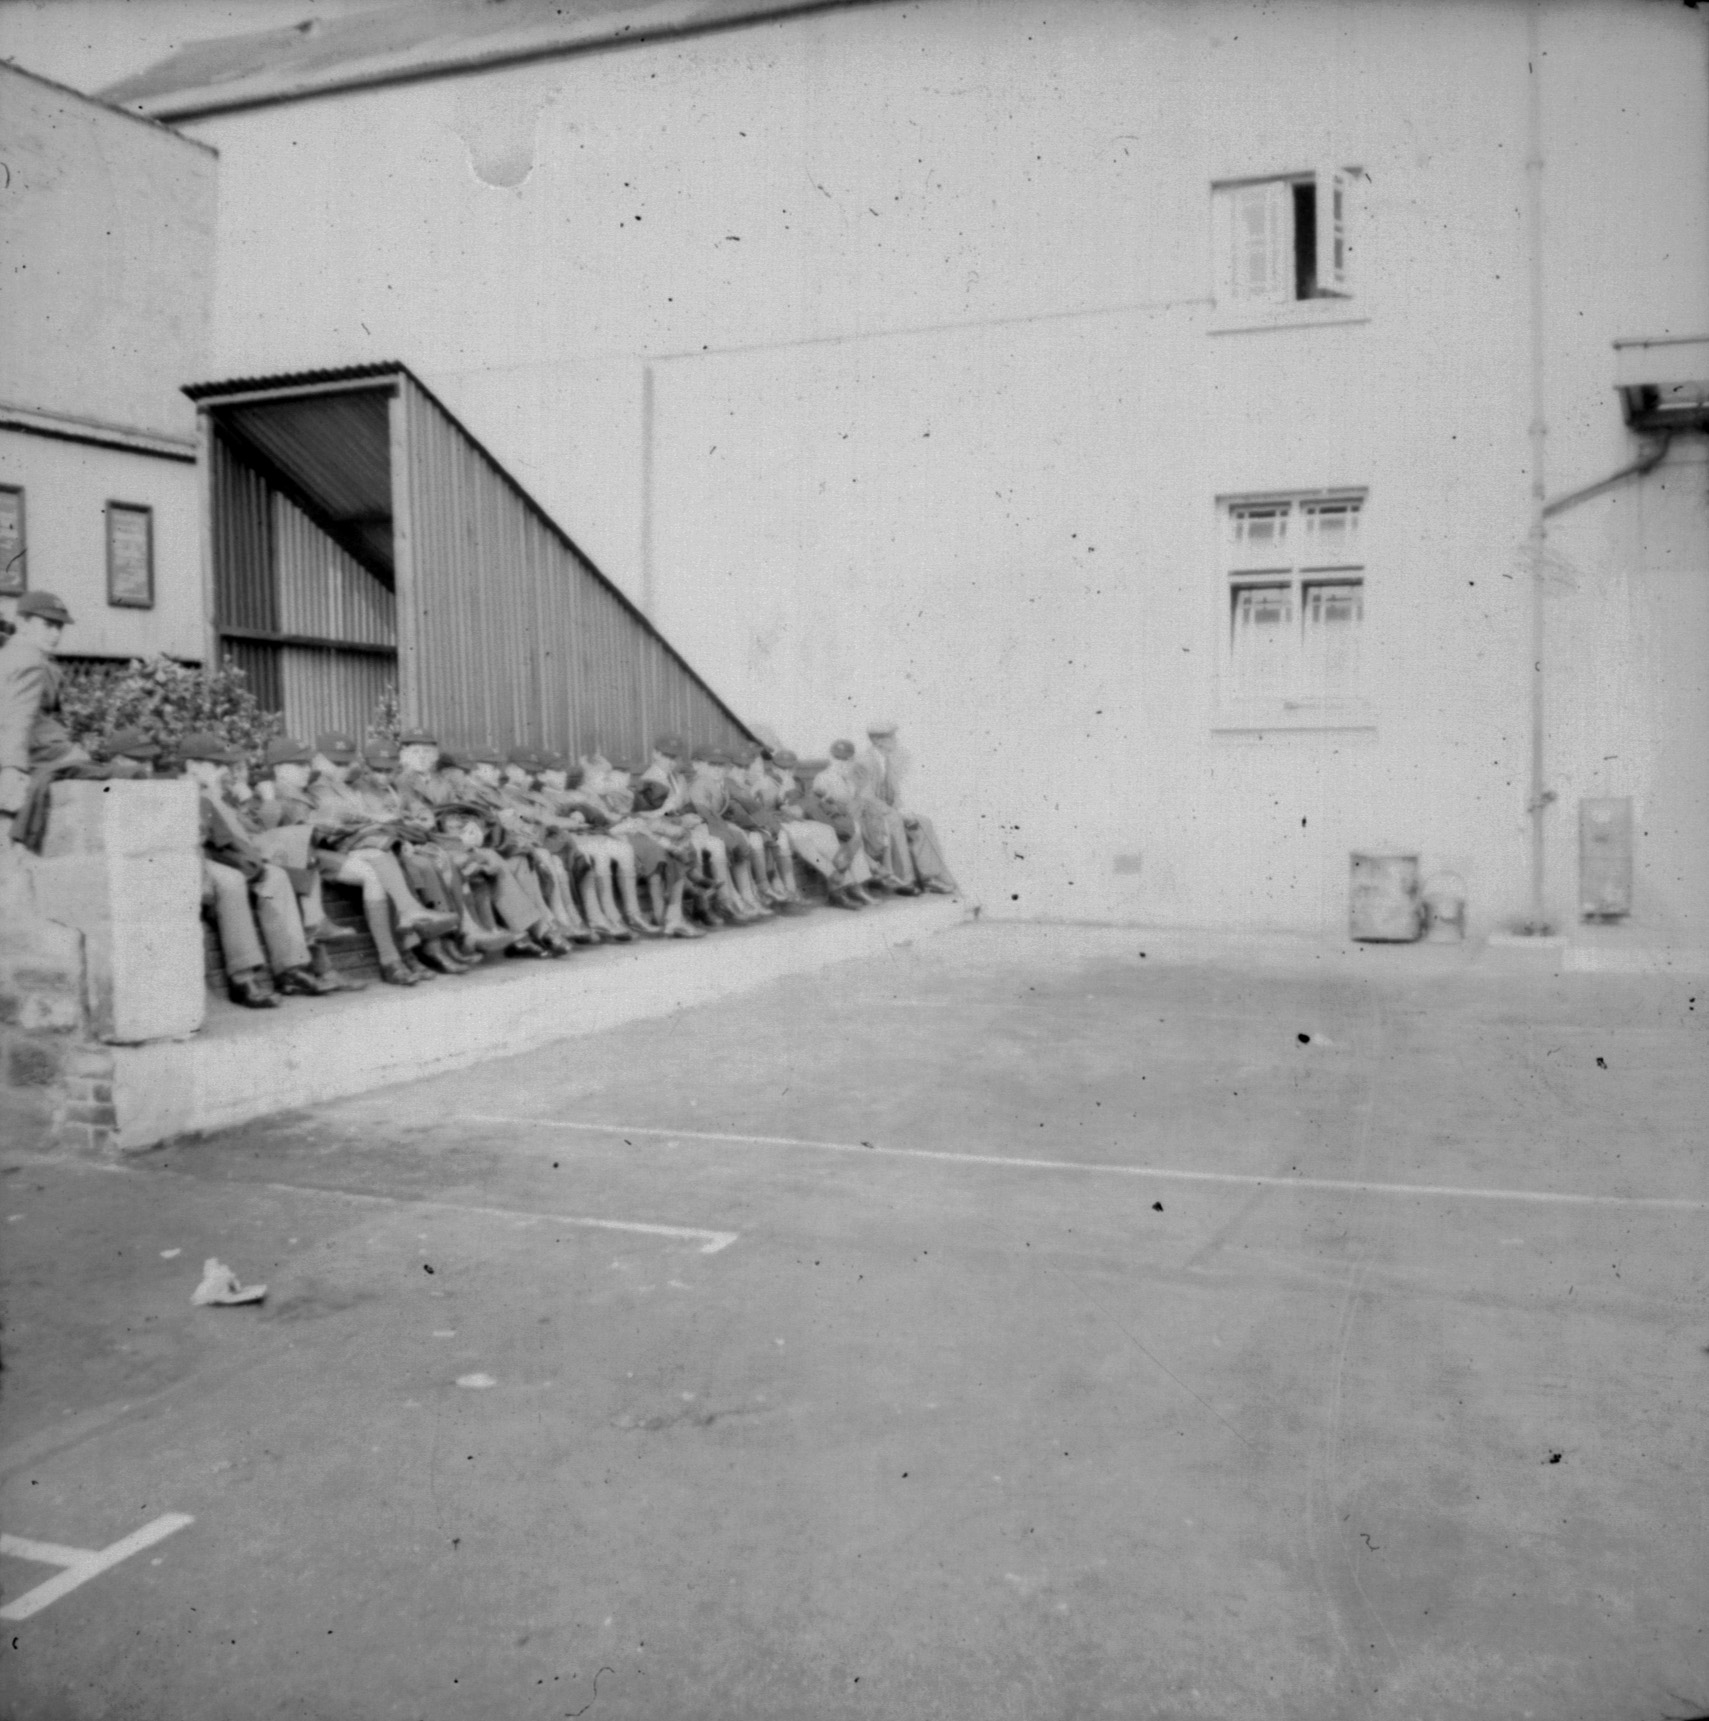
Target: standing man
33,741
885,765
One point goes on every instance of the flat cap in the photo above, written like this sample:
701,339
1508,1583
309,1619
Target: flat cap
288,750
381,751
337,746
46,605
881,726
418,738
842,749
203,745
484,756
130,744
784,759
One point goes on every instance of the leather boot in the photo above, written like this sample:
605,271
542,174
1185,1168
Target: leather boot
251,990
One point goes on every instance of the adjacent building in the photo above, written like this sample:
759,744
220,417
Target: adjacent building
107,226
1173,414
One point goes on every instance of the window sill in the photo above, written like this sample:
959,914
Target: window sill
1293,314
1259,716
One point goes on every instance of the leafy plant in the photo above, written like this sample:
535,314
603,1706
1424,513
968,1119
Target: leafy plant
167,701
386,723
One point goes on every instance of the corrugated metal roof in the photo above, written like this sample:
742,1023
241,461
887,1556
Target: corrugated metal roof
291,379
426,38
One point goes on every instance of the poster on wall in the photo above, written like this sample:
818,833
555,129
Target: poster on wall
130,556
11,541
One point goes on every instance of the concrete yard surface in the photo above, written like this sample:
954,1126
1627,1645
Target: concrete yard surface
1013,1325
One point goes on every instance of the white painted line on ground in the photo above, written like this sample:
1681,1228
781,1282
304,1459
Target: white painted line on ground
710,1241
1243,1180
81,1564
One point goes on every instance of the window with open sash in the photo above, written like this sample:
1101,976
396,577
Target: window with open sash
1295,576
1280,241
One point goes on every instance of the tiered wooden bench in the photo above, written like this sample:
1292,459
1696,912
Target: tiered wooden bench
355,959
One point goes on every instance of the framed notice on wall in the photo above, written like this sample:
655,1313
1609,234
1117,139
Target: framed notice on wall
130,556
12,561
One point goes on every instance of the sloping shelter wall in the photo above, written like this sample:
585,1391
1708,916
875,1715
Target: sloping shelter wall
511,634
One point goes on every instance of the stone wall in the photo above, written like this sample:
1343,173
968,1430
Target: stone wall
100,944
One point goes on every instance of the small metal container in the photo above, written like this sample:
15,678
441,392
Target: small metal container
1385,907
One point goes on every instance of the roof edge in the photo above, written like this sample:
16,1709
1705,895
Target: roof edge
136,115
205,101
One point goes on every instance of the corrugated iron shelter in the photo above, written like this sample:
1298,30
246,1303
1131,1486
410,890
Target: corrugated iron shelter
358,537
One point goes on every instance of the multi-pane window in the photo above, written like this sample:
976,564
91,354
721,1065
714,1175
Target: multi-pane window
1282,240
1295,573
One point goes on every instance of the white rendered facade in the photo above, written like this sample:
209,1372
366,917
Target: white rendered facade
108,223
918,360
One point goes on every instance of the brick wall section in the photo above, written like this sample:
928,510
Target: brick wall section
42,1018
100,942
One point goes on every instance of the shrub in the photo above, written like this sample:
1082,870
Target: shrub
385,722
167,701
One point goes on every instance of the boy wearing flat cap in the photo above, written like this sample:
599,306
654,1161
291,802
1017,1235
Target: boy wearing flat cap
33,740
243,887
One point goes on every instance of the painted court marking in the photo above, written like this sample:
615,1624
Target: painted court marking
81,1564
1243,1180
710,1241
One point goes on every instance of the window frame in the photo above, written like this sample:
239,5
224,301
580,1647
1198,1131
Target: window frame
1334,297
1300,565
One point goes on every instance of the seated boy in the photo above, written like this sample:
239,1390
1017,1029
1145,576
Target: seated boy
243,888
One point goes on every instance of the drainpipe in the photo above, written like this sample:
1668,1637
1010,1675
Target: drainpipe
1537,544
1647,462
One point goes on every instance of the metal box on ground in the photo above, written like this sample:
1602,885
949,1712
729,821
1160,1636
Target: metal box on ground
1385,907
1605,857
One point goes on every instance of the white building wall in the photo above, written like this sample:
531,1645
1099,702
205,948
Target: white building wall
107,225
67,486
875,352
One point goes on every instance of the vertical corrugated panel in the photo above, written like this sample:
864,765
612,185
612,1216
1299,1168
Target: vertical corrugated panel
520,638
323,590
244,592
331,690
260,664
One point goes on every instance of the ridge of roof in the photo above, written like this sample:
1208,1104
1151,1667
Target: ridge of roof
130,114
415,40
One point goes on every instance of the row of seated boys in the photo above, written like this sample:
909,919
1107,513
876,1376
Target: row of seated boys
458,856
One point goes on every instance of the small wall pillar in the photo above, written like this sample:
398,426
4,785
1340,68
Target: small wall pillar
122,866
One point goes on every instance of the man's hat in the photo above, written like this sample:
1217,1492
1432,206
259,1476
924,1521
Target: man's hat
202,745
527,757
418,738
809,767
46,605
337,746
550,759
130,744
484,756
381,752
881,726
784,759
287,750
718,756
842,749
